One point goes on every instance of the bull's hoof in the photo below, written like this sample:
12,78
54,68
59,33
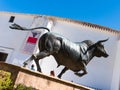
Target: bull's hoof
39,70
25,64
59,76
79,74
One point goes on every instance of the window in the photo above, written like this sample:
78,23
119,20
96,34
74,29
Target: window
3,56
12,19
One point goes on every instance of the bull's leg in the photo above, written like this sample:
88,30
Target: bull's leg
83,70
37,64
81,74
28,60
62,72
39,56
42,54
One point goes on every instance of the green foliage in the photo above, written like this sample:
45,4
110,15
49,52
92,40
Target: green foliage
5,80
22,87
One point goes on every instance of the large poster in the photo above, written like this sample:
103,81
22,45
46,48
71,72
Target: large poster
30,43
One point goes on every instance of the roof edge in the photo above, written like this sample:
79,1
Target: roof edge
101,28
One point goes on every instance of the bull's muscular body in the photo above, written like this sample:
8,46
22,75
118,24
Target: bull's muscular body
65,52
74,56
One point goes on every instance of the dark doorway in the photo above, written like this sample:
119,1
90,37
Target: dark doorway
3,56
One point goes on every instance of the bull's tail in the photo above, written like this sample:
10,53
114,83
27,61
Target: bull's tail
18,27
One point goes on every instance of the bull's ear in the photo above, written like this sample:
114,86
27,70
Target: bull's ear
90,47
101,41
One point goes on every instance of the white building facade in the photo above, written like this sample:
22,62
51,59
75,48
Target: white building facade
16,46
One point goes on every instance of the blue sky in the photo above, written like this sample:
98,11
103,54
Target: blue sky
102,12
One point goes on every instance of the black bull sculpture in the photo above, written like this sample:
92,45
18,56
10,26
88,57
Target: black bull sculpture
74,56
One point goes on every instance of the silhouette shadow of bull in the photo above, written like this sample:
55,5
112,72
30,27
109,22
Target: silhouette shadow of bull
73,55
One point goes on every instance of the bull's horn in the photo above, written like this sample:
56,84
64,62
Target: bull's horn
102,40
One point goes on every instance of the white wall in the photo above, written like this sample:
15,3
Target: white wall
13,39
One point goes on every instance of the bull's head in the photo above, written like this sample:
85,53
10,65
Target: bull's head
99,50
